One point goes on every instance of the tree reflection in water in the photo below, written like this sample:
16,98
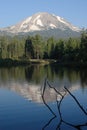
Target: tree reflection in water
59,101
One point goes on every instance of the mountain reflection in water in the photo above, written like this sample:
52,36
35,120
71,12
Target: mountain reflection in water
28,82
34,92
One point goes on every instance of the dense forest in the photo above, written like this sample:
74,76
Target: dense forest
35,47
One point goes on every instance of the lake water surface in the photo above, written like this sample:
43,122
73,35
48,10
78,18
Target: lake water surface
34,98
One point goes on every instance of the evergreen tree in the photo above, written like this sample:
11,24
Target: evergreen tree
29,53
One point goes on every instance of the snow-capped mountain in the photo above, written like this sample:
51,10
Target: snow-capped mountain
41,22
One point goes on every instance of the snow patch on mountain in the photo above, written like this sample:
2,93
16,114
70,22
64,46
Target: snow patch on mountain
68,24
52,26
34,27
39,22
28,19
36,18
59,19
24,26
12,27
24,23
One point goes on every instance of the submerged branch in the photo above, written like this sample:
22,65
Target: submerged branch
48,122
76,101
78,127
55,89
45,101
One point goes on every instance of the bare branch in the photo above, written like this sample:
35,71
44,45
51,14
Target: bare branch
55,89
78,127
54,115
44,99
76,101
48,122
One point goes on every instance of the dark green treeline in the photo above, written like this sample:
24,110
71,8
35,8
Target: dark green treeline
35,47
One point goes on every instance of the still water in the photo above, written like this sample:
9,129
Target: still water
34,98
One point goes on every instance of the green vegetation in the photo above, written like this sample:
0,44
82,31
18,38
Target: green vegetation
16,50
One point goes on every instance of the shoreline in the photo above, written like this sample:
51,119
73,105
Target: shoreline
25,62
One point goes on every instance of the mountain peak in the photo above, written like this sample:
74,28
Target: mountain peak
41,21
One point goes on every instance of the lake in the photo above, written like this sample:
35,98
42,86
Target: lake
43,97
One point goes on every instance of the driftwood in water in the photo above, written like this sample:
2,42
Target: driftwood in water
62,96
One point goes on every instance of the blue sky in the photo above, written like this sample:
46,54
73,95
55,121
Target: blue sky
13,11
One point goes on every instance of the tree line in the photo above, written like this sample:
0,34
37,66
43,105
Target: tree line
35,47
